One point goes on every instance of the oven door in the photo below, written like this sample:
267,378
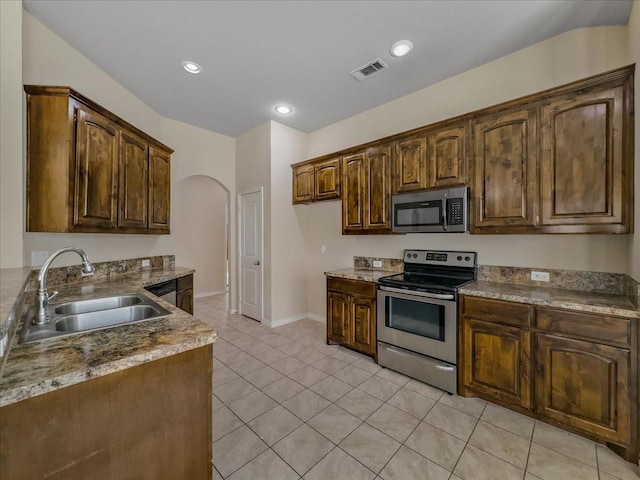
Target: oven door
416,322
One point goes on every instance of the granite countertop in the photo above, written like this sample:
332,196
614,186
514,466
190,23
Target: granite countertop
36,368
11,282
604,303
364,274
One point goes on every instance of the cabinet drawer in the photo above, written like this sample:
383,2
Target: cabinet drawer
601,328
498,311
185,283
352,287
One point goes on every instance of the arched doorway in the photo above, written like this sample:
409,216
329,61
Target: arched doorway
201,226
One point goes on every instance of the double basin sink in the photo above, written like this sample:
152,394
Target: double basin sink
95,314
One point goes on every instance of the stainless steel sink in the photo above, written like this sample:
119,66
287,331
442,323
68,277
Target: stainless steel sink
95,304
95,314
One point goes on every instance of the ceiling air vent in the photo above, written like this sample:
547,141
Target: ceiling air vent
368,70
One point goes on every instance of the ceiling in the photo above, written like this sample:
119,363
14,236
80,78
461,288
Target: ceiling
256,54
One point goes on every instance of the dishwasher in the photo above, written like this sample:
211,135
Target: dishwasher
165,290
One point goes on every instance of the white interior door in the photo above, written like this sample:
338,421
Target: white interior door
251,254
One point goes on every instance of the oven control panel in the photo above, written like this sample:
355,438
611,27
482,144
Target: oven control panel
440,257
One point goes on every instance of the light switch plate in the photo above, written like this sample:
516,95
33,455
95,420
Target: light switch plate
377,264
540,276
146,263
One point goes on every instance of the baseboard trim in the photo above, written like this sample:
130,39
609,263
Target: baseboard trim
293,318
210,294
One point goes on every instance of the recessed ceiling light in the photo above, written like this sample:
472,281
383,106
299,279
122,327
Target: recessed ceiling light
401,48
283,109
191,67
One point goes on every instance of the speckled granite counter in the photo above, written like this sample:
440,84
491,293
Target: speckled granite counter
37,368
605,303
364,274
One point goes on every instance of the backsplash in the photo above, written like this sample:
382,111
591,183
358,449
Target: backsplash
73,273
614,283
388,264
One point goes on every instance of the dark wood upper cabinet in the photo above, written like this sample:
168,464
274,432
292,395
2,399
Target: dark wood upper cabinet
410,165
89,171
557,161
353,181
303,183
95,202
504,187
134,179
327,179
377,190
159,190
586,161
446,156
366,191
316,181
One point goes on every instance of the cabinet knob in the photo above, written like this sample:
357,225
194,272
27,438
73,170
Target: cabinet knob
256,262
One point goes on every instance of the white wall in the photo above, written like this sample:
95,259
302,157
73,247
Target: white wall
288,254
11,178
203,205
48,60
253,157
634,55
203,164
562,59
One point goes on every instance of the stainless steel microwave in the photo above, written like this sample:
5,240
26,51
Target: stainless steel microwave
431,211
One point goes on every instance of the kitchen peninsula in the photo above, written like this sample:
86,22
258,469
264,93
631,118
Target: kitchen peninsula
128,401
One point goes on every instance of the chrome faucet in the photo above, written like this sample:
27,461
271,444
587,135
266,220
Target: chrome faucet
42,299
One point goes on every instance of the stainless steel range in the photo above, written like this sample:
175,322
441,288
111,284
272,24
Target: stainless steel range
418,315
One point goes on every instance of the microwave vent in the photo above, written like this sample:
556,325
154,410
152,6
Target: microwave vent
368,70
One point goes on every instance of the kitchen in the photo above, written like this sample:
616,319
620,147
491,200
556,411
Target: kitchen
295,287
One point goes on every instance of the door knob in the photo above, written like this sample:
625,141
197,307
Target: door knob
257,263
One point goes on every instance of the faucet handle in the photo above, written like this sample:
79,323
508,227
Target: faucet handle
52,295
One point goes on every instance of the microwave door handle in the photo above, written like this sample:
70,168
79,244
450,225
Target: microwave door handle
444,213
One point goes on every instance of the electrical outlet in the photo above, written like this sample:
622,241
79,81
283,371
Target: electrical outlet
323,248
540,276
146,263
38,258
377,264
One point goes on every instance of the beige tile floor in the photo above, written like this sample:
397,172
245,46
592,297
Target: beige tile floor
288,406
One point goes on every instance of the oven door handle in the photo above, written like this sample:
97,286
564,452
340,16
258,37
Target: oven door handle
439,296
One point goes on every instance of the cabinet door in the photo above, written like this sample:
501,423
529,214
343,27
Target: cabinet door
363,317
327,180
96,176
584,385
446,154
338,317
353,193
410,165
303,183
134,181
582,160
504,190
377,191
497,361
159,190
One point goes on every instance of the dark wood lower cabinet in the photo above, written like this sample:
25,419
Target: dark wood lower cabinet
184,295
497,361
576,370
151,421
351,314
584,385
